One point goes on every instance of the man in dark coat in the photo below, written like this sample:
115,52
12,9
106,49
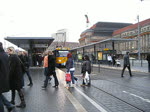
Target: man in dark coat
4,80
51,70
26,64
148,59
126,64
51,67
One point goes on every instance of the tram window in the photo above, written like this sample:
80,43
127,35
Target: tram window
63,53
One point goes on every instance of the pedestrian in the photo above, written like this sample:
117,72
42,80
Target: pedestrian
113,60
70,68
51,67
86,67
20,55
51,70
27,65
126,64
109,58
148,59
4,80
46,74
16,76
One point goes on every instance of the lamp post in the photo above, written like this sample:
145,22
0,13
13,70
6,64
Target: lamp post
139,45
139,39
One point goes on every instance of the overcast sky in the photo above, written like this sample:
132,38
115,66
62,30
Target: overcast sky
45,17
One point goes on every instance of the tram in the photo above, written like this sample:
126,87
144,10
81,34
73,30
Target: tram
61,56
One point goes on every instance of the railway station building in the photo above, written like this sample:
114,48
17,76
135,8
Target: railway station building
105,38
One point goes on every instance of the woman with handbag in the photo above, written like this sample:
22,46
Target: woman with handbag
70,68
86,71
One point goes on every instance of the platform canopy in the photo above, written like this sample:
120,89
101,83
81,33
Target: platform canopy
30,42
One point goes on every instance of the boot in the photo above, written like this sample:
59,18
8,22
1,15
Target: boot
12,102
22,105
30,84
10,108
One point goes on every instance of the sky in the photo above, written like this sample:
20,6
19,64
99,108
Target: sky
36,18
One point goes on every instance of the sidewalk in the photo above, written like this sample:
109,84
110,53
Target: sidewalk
136,65
39,100
133,68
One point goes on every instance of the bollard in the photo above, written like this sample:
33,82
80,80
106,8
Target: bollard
141,63
92,67
99,67
132,62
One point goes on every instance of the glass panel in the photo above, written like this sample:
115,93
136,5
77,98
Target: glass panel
62,53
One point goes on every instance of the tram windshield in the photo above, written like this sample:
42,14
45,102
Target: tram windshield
62,53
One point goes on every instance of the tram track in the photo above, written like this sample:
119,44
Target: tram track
118,99
112,95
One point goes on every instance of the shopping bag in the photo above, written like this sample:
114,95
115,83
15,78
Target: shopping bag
86,77
72,69
68,77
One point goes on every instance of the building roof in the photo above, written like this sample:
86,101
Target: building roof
131,27
105,27
111,25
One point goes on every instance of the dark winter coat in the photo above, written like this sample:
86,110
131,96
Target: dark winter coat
69,64
126,60
16,75
51,64
4,71
148,58
26,61
86,66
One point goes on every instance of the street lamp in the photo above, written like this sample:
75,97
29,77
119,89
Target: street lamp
139,45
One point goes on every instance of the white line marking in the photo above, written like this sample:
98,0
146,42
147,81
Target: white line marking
75,102
92,101
146,100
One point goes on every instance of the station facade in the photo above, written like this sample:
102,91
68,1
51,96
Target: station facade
108,38
131,32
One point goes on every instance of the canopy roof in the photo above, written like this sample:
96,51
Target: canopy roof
27,42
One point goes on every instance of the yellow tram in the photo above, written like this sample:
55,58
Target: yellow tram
61,56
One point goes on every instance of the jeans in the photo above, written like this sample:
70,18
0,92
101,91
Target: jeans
46,81
55,78
46,76
4,101
72,76
29,76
